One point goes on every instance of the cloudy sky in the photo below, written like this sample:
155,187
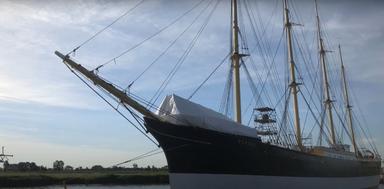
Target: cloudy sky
46,113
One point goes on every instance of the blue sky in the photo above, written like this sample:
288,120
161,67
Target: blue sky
47,114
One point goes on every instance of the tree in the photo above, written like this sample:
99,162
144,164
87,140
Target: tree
43,168
79,168
68,168
165,167
22,166
135,166
58,165
97,168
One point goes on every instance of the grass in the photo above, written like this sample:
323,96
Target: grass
22,179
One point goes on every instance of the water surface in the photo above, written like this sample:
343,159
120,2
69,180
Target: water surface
100,187
113,187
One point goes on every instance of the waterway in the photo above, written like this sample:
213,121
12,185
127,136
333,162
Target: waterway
112,187
100,187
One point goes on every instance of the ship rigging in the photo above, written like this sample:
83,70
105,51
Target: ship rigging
285,97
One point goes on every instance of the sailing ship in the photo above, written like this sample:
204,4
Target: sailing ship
207,149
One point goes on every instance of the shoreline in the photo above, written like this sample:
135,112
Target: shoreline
36,179
27,179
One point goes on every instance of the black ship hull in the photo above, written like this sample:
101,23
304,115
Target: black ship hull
202,158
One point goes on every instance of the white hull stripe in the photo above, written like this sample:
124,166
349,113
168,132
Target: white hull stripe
221,181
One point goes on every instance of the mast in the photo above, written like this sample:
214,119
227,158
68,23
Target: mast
328,102
121,95
348,106
293,83
236,63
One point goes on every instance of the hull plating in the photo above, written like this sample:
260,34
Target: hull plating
195,151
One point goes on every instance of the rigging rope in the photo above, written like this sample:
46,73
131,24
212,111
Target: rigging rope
147,154
106,27
224,105
150,153
182,59
150,37
170,45
134,115
313,114
142,156
368,137
263,83
282,128
109,103
256,93
209,76
265,52
364,120
340,118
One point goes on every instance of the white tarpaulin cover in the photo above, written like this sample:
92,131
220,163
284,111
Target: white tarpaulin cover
181,111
